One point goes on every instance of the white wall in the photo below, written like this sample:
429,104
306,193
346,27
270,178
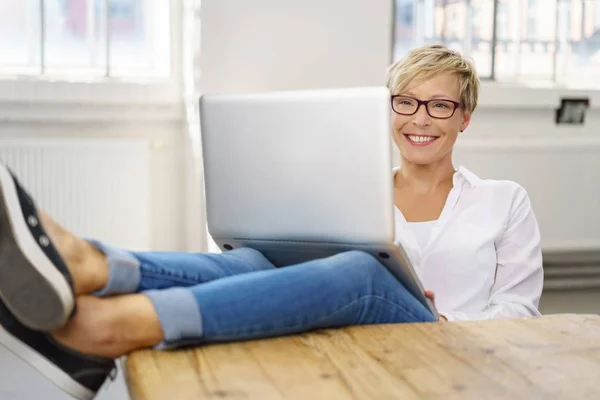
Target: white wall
284,45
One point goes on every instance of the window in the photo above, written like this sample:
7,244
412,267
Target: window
91,37
552,41
403,27
532,18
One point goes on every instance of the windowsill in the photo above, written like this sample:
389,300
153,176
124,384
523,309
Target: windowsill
53,100
89,91
499,95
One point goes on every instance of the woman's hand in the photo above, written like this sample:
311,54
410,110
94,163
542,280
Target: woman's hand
431,296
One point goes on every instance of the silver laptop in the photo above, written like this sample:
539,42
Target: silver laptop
302,175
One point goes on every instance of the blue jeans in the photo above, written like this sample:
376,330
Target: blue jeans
240,295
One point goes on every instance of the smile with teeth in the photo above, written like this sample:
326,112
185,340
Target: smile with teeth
421,139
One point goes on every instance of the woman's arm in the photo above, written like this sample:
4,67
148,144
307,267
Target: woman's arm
519,274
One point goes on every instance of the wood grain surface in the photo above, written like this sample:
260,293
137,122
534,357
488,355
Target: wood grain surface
554,356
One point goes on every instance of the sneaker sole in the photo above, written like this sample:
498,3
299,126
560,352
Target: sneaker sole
33,289
45,367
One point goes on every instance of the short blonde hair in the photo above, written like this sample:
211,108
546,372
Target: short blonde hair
428,61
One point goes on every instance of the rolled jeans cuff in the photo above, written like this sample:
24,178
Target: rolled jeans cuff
124,273
179,316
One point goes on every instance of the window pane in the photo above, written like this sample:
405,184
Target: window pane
74,35
19,35
450,23
578,59
568,34
459,24
466,26
139,37
404,27
507,39
526,39
482,26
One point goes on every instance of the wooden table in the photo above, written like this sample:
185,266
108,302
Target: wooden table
555,356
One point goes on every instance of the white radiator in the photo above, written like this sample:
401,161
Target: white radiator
95,188
562,177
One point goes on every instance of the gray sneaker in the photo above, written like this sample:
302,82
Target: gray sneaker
35,284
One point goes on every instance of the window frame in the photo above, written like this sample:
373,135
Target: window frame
94,95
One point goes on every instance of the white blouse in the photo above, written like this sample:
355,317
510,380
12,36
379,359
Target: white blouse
421,231
483,258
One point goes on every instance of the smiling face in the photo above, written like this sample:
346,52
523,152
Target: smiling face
431,72
421,138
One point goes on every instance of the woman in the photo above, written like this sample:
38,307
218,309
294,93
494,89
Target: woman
475,243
